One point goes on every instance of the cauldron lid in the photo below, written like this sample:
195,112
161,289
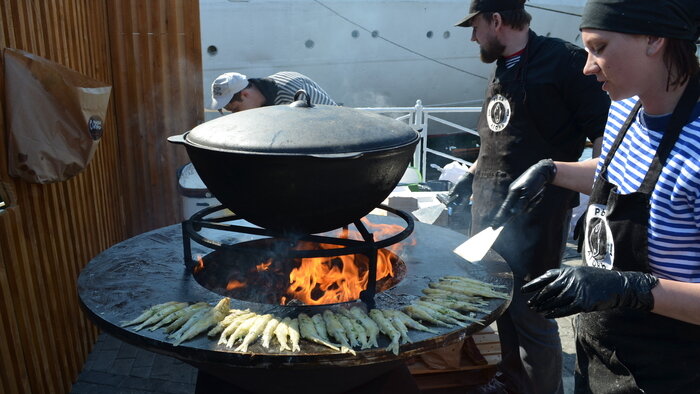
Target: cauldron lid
300,128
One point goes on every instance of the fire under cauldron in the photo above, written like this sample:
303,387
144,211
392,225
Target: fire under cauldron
306,175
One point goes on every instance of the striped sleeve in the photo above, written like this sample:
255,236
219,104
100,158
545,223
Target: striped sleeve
289,83
674,217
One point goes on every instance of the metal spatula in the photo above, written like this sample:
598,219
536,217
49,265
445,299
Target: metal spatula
475,248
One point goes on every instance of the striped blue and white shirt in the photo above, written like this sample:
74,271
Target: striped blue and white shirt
289,82
674,221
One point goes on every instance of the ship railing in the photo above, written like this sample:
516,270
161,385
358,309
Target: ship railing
420,118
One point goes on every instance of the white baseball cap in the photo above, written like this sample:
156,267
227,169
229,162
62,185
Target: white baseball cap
224,87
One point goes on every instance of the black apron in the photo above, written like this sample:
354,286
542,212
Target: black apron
534,242
630,351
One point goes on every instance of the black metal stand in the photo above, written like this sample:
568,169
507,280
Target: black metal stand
368,246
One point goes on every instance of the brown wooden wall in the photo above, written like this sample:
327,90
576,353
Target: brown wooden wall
156,56
149,52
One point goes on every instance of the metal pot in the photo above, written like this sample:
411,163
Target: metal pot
300,168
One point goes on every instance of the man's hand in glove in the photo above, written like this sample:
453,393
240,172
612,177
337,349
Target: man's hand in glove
526,191
569,290
460,192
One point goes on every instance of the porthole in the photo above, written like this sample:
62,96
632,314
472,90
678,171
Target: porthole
446,34
429,34
355,34
375,34
309,44
212,50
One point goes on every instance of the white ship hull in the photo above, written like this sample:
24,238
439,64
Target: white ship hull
364,53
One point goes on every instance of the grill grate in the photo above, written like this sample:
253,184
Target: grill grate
211,218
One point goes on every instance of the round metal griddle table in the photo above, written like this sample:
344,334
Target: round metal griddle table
129,277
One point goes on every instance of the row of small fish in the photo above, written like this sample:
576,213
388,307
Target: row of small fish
452,301
341,329
181,320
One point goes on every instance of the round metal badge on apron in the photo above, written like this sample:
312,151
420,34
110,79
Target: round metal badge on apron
498,113
630,351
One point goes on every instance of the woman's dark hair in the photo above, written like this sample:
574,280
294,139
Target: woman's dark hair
681,61
517,19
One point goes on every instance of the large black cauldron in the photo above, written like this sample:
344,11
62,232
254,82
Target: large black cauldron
300,168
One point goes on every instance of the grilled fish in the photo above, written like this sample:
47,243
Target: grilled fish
410,323
320,326
255,331
307,329
181,321
293,330
233,326
187,311
282,333
268,331
398,324
456,305
422,314
446,314
147,313
370,326
349,330
234,315
387,329
335,329
241,331
161,314
211,318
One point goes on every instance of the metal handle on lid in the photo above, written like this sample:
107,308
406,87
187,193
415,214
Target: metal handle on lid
177,139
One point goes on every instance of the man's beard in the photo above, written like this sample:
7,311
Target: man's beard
491,50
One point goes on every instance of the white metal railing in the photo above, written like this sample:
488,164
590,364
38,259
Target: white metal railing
418,117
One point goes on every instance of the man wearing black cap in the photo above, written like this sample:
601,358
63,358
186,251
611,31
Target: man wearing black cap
538,105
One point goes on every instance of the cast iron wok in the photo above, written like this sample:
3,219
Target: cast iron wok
300,168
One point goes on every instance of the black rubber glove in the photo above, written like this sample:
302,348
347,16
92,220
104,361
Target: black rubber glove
569,290
526,191
460,192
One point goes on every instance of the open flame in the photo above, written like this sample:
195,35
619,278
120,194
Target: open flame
383,231
235,284
264,266
314,280
327,280
199,266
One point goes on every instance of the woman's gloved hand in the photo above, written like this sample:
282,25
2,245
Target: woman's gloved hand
460,192
569,290
526,191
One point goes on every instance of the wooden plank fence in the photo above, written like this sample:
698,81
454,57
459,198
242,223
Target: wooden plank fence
149,52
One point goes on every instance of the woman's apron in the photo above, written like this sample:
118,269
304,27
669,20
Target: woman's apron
510,143
622,350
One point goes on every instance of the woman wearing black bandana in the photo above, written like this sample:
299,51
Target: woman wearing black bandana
639,289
